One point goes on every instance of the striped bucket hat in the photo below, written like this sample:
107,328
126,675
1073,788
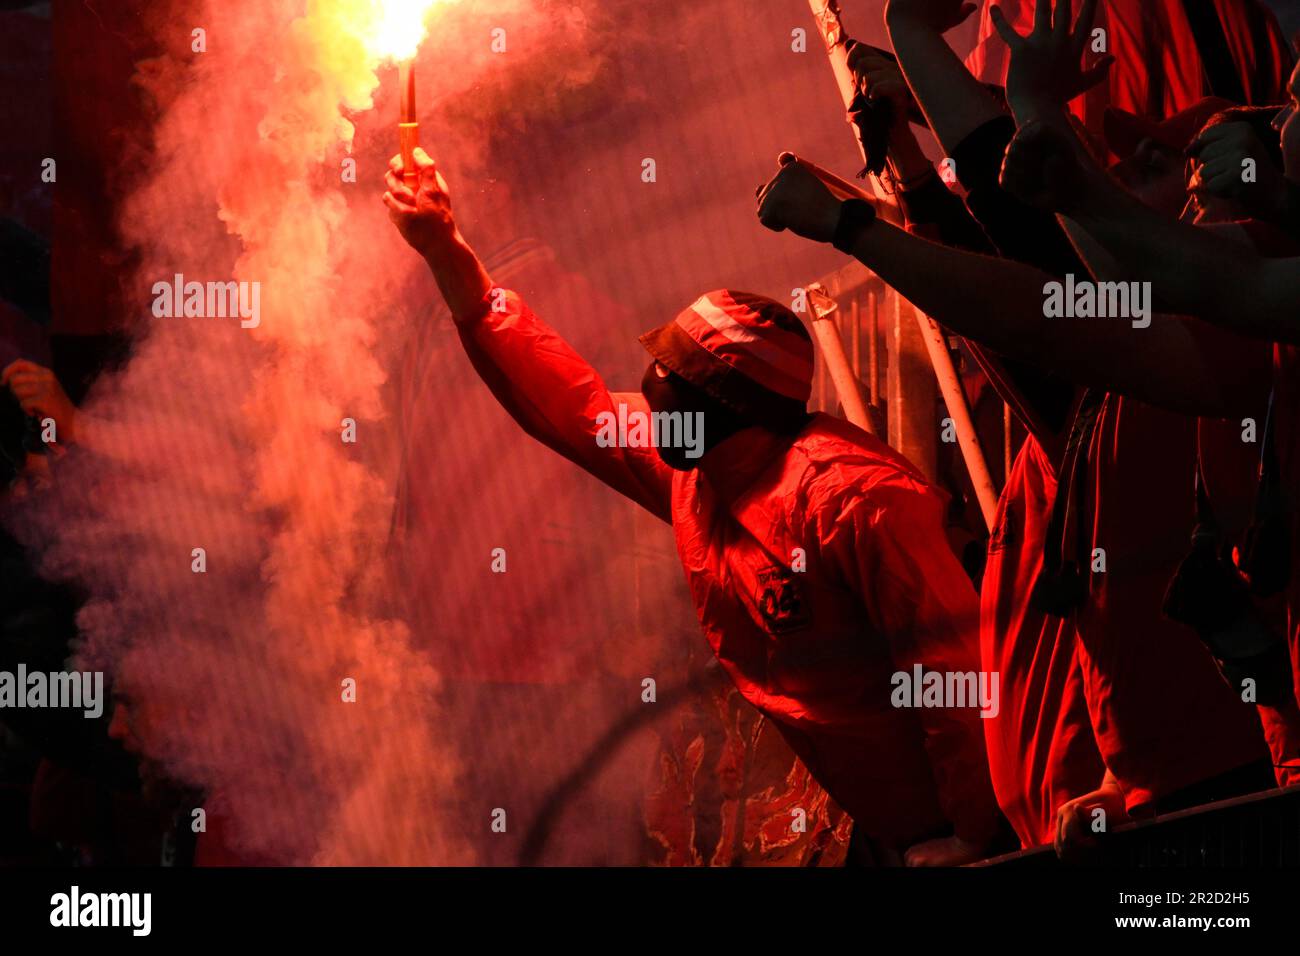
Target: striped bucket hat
747,351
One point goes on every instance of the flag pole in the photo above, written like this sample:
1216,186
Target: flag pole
848,387
831,27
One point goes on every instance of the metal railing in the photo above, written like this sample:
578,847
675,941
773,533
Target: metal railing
1261,830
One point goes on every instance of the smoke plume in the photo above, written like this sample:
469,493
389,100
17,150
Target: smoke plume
263,167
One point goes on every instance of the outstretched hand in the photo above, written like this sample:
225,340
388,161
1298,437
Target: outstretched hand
1046,69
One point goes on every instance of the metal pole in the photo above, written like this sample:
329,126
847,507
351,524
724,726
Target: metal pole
855,336
831,28
873,348
1008,457
847,386
955,398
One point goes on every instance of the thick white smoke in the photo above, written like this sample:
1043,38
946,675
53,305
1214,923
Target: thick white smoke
230,439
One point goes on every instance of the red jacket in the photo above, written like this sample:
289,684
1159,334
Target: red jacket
1041,747
813,651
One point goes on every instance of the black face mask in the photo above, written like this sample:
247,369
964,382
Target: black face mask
674,394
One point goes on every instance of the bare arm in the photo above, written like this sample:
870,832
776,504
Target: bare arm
1000,304
975,132
461,277
1192,270
1197,271
955,104
548,388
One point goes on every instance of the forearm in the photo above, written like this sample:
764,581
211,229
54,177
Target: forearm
999,303
1194,271
1010,321
461,277
907,161
1017,230
1183,263
1039,398
557,398
1038,106
933,211
954,103
1093,255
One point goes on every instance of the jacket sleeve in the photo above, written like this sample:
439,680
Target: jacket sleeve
558,399
889,545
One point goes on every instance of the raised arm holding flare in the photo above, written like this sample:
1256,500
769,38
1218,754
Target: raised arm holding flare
816,555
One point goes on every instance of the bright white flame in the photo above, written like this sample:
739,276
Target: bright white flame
398,27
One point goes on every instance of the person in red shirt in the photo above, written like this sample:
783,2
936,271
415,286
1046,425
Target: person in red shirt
1041,749
722,779
1247,290
1041,756
1161,750
816,555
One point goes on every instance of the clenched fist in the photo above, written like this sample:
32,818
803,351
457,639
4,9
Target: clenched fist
40,394
797,200
1223,153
